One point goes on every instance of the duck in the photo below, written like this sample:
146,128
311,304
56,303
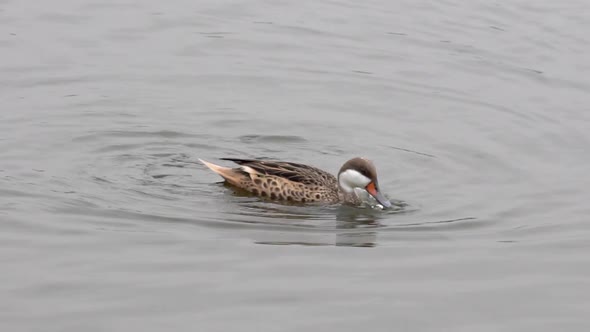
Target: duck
299,183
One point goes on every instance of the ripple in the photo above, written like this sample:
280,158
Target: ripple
161,186
277,139
134,134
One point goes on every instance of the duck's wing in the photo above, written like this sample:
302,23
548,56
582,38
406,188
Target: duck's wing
287,170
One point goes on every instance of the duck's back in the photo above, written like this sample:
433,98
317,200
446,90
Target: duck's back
286,181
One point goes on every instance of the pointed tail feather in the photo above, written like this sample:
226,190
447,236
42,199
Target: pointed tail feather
231,175
215,168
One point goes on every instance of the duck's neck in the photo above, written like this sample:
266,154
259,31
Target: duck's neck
349,197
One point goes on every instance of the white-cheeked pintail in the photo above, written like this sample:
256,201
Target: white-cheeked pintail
286,181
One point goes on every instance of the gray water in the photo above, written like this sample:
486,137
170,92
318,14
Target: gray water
476,114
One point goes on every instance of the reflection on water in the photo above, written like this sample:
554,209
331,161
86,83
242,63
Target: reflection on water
336,225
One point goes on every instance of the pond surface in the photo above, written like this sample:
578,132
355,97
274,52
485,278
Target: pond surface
476,114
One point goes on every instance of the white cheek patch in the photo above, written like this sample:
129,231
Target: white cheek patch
351,179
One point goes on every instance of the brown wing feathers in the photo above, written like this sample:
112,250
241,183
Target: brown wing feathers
280,180
291,171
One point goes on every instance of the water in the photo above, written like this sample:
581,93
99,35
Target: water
475,113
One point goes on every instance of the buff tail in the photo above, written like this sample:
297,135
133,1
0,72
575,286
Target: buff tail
231,175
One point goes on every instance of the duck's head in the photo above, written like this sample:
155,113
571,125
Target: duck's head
361,173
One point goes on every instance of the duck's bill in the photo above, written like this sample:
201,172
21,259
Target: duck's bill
377,195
